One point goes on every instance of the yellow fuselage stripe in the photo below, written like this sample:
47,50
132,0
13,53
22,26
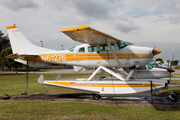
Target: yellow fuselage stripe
74,84
75,57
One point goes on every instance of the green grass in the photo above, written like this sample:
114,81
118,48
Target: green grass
174,89
13,84
41,110
175,82
48,110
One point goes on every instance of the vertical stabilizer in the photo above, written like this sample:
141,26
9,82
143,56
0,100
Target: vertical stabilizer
21,45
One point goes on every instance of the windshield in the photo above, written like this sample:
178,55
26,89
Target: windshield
154,64
121,44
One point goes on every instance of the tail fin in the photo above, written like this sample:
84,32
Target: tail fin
21,45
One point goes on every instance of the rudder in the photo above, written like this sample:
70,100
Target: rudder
20,44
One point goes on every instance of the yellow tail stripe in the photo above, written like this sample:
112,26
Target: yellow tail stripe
11,27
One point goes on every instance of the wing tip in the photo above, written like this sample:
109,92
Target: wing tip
74,28
11,27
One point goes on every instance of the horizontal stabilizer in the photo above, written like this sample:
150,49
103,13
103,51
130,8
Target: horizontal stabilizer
32,63
23,58
17,56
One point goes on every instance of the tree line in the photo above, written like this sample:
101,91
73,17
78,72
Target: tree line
5,50
172,62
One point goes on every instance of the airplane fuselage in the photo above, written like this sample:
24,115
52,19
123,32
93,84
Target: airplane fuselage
82,56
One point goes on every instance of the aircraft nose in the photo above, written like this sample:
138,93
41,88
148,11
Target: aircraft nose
156,51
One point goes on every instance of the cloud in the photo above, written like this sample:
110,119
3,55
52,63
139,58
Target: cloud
165,10
91,9
126,26
17,5
97,9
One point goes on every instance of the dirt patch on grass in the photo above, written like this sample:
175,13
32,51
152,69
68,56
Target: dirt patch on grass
87,98
174,106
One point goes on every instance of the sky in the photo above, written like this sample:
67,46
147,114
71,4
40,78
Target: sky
151,23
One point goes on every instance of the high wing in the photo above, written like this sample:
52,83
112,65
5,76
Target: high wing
85,34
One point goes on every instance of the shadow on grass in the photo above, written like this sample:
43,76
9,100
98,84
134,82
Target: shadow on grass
83,97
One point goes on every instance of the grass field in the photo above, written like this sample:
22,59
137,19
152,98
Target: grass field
40,110
49,110
13,84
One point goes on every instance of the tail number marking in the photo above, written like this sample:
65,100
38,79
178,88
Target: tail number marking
53,57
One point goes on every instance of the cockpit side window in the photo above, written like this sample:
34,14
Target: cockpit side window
121,44
92,49
81,49
106,48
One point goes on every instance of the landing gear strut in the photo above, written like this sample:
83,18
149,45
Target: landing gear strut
96,97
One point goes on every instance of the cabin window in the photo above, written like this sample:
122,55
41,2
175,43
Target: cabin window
71,49
126,68
121,44
106,48
92,49
81,49
112,45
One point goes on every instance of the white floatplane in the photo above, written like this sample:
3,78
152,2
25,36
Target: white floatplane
99,50
149,72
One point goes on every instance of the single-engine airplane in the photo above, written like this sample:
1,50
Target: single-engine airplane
99,50
149,72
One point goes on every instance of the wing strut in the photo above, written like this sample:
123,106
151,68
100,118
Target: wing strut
115,56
